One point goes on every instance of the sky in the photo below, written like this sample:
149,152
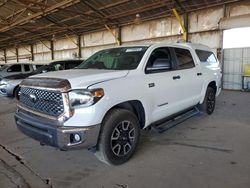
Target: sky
236,38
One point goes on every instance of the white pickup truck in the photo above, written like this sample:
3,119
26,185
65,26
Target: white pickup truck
105,101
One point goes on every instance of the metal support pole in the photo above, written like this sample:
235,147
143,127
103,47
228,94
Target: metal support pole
79,46
52,50
32,52
185,18
5,55
181,24
17,55
119,35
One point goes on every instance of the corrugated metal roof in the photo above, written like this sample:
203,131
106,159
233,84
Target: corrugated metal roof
28,21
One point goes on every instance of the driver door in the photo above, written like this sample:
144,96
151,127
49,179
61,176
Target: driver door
160,75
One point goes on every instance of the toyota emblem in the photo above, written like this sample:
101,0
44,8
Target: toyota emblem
33,98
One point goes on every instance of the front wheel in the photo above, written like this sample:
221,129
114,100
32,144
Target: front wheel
208,104
119,137
16,92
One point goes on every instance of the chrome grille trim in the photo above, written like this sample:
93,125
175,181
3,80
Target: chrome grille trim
47,102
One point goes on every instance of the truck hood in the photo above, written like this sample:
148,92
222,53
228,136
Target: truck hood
82,78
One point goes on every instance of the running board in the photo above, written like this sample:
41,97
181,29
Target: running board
160,128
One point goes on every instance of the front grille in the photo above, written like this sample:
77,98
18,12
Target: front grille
44,101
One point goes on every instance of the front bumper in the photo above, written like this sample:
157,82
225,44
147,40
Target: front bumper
55,134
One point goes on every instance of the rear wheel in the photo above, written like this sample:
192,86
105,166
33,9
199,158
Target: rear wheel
208,104
119,137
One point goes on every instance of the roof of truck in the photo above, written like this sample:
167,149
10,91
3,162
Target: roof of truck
181,44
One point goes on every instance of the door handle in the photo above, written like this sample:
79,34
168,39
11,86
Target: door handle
199,74
151,85
176,77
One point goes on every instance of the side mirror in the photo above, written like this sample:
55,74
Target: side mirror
160,64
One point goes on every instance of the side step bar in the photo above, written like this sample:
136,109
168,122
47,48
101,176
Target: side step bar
160,128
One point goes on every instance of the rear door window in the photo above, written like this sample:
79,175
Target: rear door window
59,66
15,68
26,68
184,58
71,64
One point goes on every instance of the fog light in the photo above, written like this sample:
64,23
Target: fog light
75,137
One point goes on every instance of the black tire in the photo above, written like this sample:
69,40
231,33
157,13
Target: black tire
16,92
208,104
119,137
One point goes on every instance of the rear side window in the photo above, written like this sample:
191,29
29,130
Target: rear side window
71,64
26,68
206,56
184,58
15,68
59,66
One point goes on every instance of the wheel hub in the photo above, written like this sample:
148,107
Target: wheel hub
122,138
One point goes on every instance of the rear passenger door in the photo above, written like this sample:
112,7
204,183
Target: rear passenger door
189,78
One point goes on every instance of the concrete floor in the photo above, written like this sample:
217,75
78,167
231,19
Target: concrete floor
203,152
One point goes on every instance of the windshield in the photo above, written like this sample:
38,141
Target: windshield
124,58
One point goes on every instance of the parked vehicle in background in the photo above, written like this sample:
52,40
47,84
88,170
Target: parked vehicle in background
10,84
104,102
11,69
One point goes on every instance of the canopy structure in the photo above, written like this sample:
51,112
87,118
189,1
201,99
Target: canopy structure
28,21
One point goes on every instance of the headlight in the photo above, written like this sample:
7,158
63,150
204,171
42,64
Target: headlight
85,97
3,82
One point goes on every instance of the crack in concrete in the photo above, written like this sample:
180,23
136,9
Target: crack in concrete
202,147
21,161
19,182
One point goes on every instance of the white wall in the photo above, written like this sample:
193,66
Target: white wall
2,57
42,51
93,42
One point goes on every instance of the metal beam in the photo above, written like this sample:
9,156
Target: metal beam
24,37
17,55
181,24
88,13
48,10
185,19
26,49
177,2
37,28
129,12
5,55
79,46
49,47
67,36
52,50
119,37
32,52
